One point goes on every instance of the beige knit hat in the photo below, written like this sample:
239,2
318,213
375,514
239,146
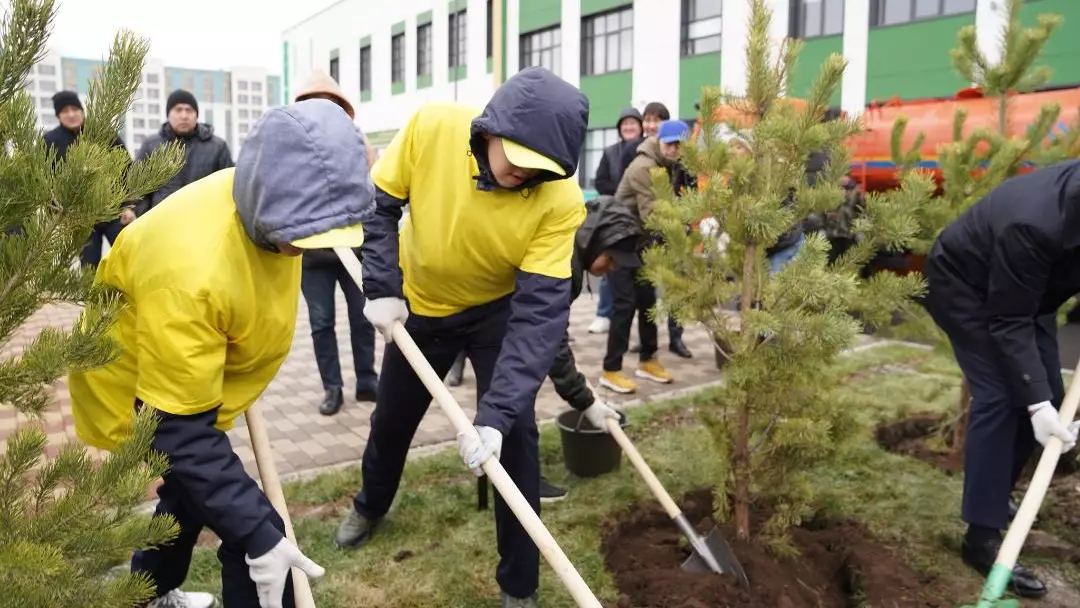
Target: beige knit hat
321,83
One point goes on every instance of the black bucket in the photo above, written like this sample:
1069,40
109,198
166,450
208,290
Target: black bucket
587,451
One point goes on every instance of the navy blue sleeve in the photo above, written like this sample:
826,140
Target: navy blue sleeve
539,315
203,463
382,275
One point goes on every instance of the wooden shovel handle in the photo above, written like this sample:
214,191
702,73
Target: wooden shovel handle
643,469
510,493
1040,481
264,459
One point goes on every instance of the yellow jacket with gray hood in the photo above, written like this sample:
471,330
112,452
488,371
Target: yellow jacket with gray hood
635,187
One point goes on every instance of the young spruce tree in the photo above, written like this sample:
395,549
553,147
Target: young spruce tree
65,522
978,160
778,416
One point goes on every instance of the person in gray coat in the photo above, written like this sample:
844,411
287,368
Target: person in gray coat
205,153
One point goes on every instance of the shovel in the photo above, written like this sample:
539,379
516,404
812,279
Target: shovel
712,553
551,551
1000,575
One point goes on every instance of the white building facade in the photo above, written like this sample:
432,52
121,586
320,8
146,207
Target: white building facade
391,57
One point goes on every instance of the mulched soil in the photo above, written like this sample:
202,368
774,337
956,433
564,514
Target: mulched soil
839,566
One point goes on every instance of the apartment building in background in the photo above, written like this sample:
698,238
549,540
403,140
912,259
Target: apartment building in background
391,57
230,100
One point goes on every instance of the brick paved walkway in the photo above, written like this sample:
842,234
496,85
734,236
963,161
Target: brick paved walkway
304,440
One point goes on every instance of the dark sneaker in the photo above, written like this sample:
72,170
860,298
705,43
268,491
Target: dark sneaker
550,493
515,602
355,530
369,394
332,402
980,556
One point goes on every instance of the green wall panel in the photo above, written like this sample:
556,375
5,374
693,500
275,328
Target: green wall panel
694,73
589,7
423,18
608,95
1062,52
813,54
397,28
912,60
538,14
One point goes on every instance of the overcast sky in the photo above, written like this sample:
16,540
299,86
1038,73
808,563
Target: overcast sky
208,34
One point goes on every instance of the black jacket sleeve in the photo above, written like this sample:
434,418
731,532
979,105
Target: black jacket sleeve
382,275
569,382
224,159
203,463
605,182
1020,269
539,315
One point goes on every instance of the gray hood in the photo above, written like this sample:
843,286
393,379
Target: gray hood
303,171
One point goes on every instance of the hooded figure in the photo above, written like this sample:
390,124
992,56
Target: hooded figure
211,279
997,277
482,265
618,155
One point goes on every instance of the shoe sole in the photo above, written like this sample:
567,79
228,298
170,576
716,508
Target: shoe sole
550,499
647,376
622,390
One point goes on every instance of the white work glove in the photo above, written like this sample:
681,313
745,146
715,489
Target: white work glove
270,570
598,414
476,451
1047,424
384,312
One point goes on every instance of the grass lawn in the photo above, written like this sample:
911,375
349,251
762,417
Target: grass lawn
437,550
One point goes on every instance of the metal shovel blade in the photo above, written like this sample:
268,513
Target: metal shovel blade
714,554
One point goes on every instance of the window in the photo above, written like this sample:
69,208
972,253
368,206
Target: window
151,78
256,86
256,100
138,123
595,142
457,39
241,113
819,18
47,85
607,42
490,30
893,12
543,48
153,94
154,109
334,67
365,68
256,114
241,85
45,103
423,50
138,139
241,99
397,58
48,70
700,27
243,128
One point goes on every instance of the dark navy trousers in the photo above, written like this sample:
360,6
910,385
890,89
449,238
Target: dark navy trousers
401,404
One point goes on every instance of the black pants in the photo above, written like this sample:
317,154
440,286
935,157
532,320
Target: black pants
1000,438
168,565
91,251
630,294
318,284
402,402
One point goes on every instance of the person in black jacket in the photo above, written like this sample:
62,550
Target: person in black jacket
619,154
323,271
997,276
205,152
69,110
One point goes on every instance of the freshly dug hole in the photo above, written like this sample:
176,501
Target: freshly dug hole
911,436
839,566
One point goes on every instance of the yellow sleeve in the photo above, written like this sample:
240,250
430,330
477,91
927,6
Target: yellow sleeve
392,173
181,352
552,247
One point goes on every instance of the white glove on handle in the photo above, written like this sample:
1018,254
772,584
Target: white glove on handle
475,452
1047,424
270,570
384,312
598,413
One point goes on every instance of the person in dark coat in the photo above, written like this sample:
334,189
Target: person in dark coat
205,152
616,156
323,272
212,279
498,289
69,110
997,276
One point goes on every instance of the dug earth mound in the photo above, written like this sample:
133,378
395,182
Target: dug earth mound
839,566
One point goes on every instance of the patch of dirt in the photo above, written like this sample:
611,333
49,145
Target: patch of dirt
839,566
911,436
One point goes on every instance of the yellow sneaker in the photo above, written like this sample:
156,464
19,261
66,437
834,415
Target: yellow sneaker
618,382
652,370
